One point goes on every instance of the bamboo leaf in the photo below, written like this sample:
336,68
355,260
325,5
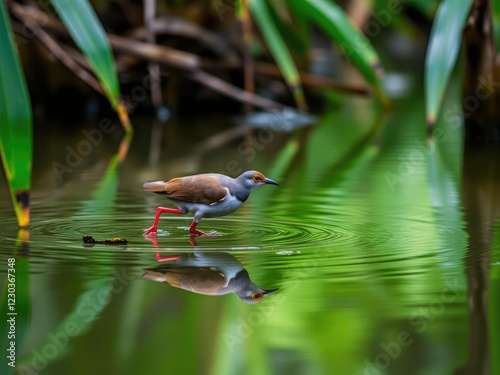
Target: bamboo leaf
278,48
16,126
295,29
89,35
442,52
336,24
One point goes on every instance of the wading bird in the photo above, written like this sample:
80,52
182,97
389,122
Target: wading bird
205,195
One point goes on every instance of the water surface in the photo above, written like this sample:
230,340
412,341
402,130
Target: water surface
382,266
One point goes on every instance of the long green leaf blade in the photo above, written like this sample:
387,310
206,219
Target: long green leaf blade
88,33
336,24
16,127
278,48
442,52
496,22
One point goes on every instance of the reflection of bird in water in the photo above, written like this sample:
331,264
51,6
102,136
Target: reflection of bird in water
210,273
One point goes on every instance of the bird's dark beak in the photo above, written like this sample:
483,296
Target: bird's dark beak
271,182
267,292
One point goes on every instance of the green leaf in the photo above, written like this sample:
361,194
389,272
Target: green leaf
16,138
86,311
336,24
496,22
90,303
278,48
442,52
295,29
88,33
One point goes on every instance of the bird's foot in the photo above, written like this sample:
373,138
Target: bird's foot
200,233
196,232
152,238
170,258
153,229
192,240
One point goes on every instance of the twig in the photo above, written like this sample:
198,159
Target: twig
170,25
232,91
190,65
55,48
156,94
174,58
185,62
154,68
306,78
248,63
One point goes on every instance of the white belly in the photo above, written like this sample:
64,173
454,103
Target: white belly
228,205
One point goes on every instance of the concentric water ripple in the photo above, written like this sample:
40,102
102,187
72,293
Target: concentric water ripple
234,233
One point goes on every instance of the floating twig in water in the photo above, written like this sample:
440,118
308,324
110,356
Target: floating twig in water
90,241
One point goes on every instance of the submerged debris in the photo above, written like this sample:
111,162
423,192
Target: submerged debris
90,241
287,120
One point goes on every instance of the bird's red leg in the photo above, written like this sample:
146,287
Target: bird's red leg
193,230
152,237
192,240
169,258
159,211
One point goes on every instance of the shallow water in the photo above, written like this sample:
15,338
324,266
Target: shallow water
382,265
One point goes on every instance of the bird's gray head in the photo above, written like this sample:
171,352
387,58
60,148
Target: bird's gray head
246,289
255,294
251,179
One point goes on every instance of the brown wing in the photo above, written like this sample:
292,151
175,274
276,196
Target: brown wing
195,279
197,189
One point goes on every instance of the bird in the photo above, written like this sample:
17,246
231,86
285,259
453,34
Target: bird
205,195
208,273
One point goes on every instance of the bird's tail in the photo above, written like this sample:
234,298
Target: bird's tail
155,186
154,276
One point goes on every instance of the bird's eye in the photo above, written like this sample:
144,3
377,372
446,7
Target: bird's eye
256,295
257,179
